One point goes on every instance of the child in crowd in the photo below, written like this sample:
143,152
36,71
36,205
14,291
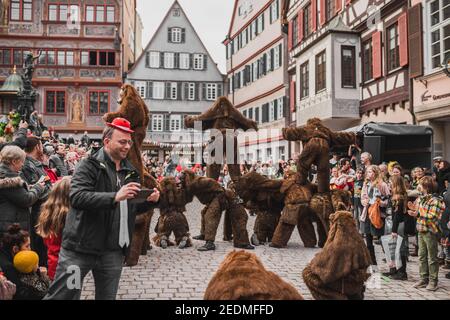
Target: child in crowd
52,220
34,280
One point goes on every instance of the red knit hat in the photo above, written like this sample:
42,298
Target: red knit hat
121,124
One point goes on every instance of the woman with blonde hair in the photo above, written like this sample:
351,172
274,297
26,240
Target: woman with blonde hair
375,193
52,221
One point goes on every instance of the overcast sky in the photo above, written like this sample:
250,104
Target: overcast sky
210,18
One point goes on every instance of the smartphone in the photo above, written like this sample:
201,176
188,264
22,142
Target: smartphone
142,196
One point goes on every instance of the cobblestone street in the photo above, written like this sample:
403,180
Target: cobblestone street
184,274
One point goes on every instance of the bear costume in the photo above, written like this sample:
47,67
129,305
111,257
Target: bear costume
263,196
339,271
242,276
216,199
223,116
317,141
133,108
172,205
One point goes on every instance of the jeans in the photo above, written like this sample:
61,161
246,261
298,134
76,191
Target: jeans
428,261
73,268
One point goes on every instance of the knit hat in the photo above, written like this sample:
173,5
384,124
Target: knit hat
25,261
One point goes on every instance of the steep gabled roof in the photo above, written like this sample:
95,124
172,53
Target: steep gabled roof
142,56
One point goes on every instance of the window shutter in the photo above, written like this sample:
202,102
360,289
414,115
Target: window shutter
176,63
376,55
183,35
264,61
149,90
275,109
300,25
285,109
313,15
219,90
161,60
197,88
291,28
147,59
270,14
280,54
204,91
169,35
292,96
403,39
205,62
272,57
167,84
179,89
338,5
415,41
265,113
166,122
186,90
191,61
323,16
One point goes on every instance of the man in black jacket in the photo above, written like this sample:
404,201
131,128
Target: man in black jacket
57,161
100,223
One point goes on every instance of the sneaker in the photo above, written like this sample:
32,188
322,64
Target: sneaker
432,286
254,240
209,245
391,272
400,275
420,284
199,237
183,243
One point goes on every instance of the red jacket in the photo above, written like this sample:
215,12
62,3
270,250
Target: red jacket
51,174
53,247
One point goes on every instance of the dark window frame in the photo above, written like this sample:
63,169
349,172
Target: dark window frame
321,71
54,112
99,112
392,55
352,66
367,61
21,11
304,79
307,21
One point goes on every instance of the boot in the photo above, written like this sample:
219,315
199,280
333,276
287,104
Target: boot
391,272
199,237
421,284
399,275
183,242
209,245
245,246
254,240
432,286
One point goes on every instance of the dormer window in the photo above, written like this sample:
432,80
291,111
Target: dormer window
176,35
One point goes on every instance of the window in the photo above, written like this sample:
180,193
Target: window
100,13
281,153
169,58
274,11
330,10
304,80
61,58
392,47
321,71
154,59
53,12
175,122
140,87
277,56
158,90
211,91
157,122
98,102
21,10
257,117
307,21
55,101
440,31
176,12
98,58
269,154
185,61
295,31
348,67
173,90
272,111
191,91
367,60
176,35
198,61
5,57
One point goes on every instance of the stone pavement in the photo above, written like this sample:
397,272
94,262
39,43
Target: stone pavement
184,274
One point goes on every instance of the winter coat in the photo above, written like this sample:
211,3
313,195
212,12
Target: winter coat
93,222
20,140
16,199
57,162
34,286
441,177
53,245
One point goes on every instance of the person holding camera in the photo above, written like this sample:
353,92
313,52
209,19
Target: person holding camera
101,218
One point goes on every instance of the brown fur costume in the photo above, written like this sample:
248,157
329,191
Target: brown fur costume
263,195
222,116
339,270
172,204
242,276
210,193
296,212
133,108
317,141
